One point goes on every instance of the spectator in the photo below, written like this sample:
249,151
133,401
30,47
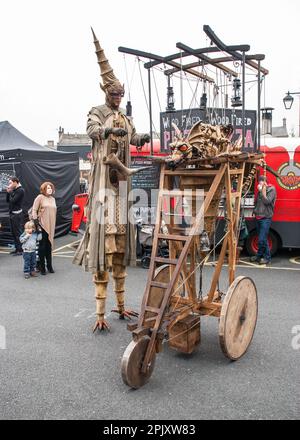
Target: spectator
263,211
29,240
14,197
44,216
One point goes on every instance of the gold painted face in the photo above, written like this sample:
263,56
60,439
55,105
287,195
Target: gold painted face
114,99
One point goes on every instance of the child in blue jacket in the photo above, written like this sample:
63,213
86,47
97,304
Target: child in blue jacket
29,240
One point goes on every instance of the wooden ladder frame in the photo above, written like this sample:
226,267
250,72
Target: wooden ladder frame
210,304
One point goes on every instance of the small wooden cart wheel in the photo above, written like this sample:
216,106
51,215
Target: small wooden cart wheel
238,318
131,364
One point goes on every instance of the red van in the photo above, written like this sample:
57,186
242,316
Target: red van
283,155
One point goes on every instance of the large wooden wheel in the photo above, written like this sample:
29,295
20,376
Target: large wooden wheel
131,364
238,318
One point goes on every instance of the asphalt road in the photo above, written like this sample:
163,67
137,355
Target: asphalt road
53,367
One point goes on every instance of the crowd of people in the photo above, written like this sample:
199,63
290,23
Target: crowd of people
35,242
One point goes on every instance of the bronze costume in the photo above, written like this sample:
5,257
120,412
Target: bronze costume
109,243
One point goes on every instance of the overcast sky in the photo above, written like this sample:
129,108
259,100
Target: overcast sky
49,75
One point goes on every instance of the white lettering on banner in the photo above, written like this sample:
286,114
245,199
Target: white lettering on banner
189,121
296,339
238,120
219,120
166,122
2,338
248,137
140,197
166,138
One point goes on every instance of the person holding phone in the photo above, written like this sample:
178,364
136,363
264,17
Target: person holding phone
263,211
14,197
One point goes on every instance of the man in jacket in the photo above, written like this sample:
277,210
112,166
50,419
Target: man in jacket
14,197
263,211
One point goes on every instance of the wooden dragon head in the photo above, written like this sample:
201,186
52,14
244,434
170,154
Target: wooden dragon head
181,149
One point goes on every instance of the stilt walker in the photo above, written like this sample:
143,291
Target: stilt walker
108,244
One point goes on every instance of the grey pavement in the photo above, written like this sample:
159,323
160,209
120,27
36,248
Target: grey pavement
54,367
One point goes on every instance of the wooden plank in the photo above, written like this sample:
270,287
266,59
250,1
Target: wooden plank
152,266
238,171
218,269
173,237
231,238
166,260
152,309
192,172
185,270
192,279
238,200
159,285
181,229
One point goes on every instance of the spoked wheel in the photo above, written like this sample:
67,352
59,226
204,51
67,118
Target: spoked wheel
132,360
238,318
163,274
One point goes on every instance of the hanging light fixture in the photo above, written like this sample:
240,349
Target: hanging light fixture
204,242
236,98
288,101
128,109
170,100
170,97
203,101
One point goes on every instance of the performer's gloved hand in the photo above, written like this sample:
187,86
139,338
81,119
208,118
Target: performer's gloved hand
116,131
145,139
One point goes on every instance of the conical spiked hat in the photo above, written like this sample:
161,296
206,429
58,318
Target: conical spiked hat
109,80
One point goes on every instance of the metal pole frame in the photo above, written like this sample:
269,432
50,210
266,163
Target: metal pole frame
170,115
258,107
243,98
150,111
234,51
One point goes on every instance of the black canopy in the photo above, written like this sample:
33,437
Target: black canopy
34,164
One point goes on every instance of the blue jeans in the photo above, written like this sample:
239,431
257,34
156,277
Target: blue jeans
263,226
29,261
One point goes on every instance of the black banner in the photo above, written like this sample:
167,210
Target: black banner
146,180
185,119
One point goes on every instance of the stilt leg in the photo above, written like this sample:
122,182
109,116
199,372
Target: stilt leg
101,280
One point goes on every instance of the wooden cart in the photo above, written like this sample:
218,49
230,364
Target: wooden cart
172,304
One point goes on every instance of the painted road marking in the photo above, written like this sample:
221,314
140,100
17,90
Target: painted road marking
63,256
67,245
80,313
63,252
255,266
295,260
83,312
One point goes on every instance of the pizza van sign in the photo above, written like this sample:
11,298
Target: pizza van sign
290,175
